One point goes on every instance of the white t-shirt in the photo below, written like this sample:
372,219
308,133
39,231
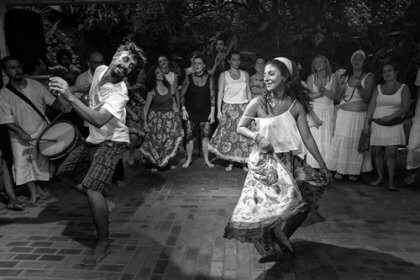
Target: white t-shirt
14,110
113,98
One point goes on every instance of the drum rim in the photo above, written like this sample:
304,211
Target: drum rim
69,147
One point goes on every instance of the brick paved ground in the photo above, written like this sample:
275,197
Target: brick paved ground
169,225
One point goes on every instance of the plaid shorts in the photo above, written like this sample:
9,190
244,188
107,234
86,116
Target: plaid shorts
93,164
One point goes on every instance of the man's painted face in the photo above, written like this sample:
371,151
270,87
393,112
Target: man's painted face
122,64
14,70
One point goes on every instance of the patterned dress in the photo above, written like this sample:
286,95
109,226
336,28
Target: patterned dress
165,134
278,186
226,143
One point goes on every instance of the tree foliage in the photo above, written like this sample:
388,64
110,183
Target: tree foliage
298,29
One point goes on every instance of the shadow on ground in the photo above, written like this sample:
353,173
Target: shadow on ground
325,261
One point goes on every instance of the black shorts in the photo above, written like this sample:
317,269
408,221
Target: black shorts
191,126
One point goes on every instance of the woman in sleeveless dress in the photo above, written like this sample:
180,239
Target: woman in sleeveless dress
384,122
171,77
198,107
162,124
413,147
280,188
354,93
320,85
234,95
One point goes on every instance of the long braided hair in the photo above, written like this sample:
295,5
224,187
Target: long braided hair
292,85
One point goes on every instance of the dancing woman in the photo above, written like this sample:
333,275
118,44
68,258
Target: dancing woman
197,99
280,189
162,124
234,94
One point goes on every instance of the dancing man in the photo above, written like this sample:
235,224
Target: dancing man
91,165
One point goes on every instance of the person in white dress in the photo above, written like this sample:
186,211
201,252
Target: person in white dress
384,121
413,147
354,93
320,84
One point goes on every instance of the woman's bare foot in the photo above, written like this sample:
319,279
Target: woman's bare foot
208,163
173,166
352,178
154,169
186,164
130,161
338,176
377,182
229,167
111,205
245,168
96,255
409,180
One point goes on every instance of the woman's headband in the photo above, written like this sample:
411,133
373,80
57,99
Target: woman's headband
358,52
286,62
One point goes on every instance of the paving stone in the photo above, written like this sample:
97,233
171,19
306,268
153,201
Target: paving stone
54,258
26,257
10,272
8,264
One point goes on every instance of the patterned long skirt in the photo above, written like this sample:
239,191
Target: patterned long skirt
226,143
165,135
276,188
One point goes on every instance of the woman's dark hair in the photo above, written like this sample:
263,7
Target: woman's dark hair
292,85
151,79
231,53
200,56
394,64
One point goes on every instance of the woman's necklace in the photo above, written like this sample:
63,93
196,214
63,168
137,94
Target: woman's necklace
354,88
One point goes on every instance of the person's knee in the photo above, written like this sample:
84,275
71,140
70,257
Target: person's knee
391,152
377,152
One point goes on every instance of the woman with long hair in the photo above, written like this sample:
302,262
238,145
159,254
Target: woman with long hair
320,84
384,122
162,124
234,95
280,188
354,93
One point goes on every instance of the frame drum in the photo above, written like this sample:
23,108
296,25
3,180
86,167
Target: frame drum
58,140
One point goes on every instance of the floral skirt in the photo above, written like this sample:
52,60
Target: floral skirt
165,135
276,188
226,143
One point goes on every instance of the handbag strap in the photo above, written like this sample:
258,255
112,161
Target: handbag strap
27,100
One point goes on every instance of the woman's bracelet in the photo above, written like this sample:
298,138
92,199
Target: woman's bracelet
258,137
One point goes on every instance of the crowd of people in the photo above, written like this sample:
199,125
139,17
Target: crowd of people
289,135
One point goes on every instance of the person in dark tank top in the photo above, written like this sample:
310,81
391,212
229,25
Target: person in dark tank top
162,123
198,108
